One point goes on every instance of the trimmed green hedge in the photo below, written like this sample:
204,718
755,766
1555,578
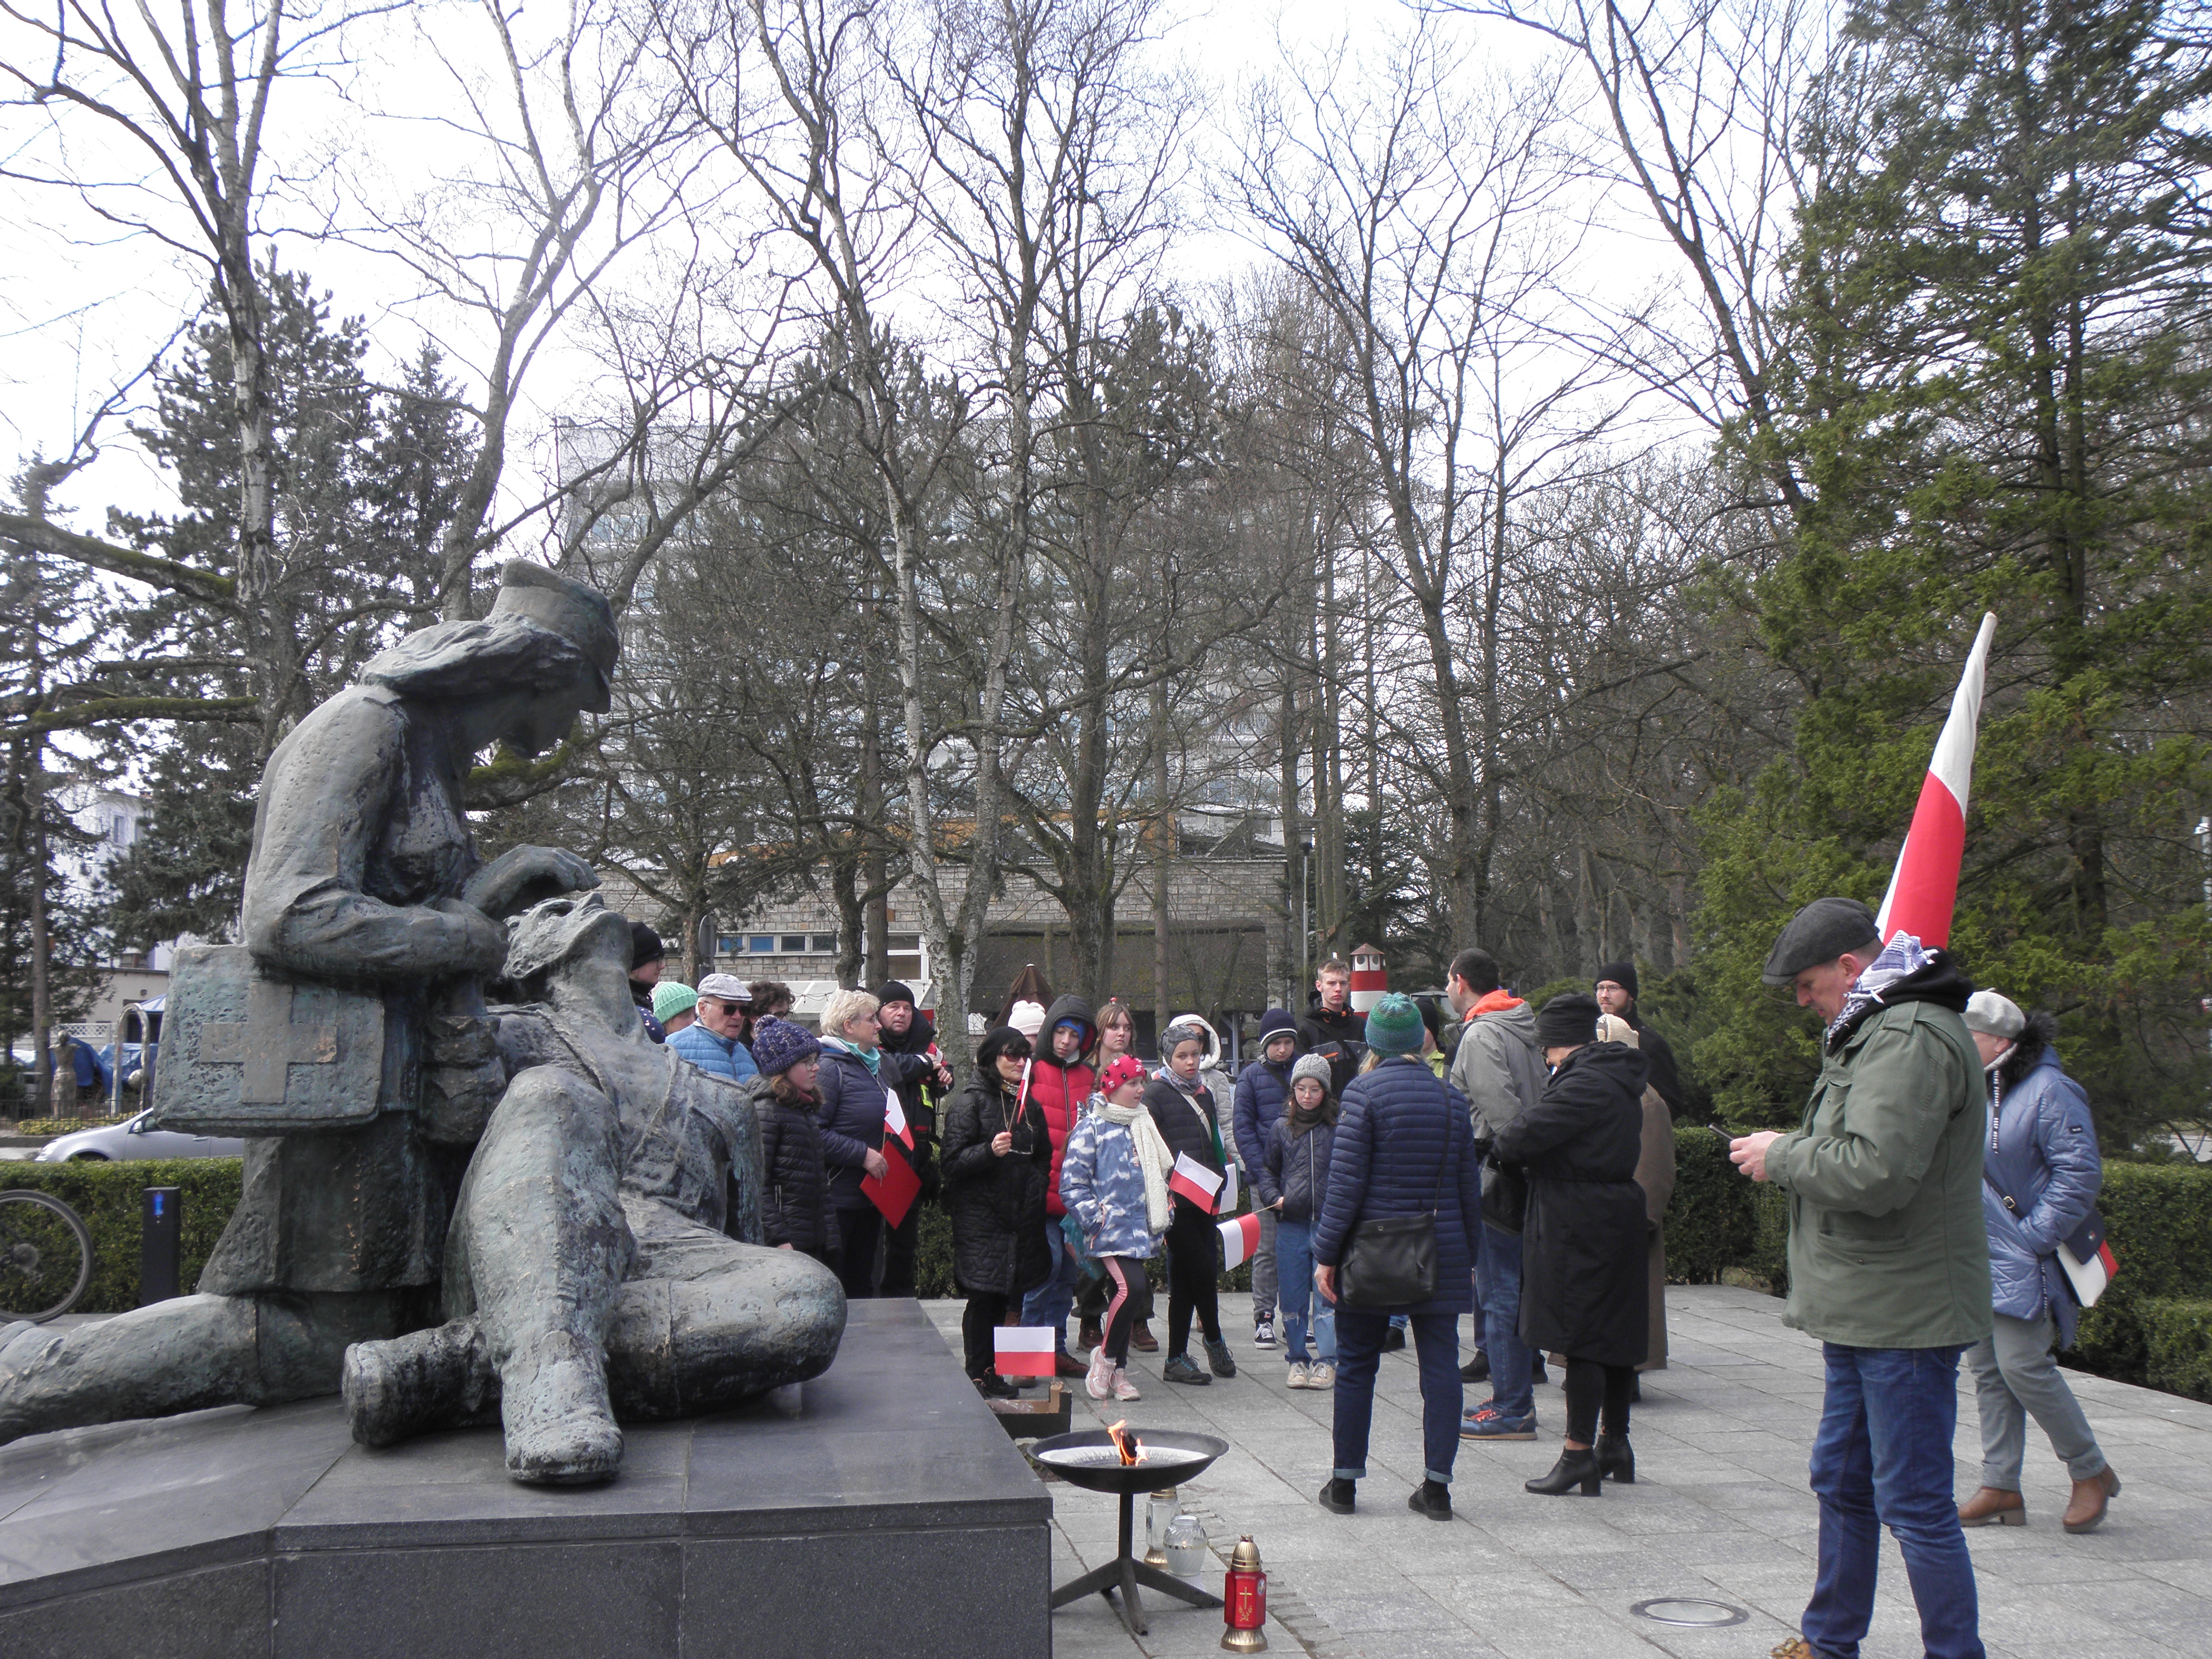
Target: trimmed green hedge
2154,1327
108,1197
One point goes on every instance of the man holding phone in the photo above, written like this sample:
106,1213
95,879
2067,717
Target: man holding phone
1888,1264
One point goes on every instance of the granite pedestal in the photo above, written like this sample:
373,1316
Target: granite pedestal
888,1514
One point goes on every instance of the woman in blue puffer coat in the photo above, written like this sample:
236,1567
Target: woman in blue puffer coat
1403,1147
2042,1172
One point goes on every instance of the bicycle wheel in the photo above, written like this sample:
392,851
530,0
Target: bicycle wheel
45,1256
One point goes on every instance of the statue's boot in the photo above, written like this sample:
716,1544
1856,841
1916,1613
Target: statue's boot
185,1354
439,1378
553,1404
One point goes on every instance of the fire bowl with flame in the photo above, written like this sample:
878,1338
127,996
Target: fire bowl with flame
1124,1461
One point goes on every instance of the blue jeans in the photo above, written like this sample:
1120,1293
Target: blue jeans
1294,1263
1359,1355
1052,1302
1882,1457
1498,1294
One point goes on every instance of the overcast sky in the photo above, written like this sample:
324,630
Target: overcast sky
83,305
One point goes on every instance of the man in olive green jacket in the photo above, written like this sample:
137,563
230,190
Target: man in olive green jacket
1888,1263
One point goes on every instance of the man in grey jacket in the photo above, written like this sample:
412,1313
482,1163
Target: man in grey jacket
1500,1070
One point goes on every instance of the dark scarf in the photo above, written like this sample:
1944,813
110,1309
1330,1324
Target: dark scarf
1301,1120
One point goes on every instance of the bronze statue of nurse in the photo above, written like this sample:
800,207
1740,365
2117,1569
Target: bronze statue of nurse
348,1034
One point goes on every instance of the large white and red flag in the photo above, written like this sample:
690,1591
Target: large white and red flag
1240,1239
1194,1182
1924,887
1023,1350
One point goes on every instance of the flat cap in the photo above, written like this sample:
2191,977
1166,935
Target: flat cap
1995,1015
1820,933
726,987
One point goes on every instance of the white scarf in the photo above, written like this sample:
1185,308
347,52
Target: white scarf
1152,1157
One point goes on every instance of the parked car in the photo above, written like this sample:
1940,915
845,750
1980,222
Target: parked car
135,1139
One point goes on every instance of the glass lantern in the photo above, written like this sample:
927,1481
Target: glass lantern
1187,1552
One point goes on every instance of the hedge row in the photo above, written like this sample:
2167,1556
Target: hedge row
2154,1327
109,1198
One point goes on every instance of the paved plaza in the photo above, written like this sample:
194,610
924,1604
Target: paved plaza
1720,1512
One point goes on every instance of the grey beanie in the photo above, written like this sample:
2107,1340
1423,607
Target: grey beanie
1311,1066
1821,932
1994,1015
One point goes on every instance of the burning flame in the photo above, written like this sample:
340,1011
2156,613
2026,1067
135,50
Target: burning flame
1131,1449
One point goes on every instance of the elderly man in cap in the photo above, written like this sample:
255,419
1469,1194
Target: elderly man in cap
715,1042
1888,1264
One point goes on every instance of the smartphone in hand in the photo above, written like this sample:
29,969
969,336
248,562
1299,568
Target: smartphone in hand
1727,1139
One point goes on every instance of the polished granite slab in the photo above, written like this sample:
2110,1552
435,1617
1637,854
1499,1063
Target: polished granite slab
883,1511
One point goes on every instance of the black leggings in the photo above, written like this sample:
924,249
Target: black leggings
1193,1273
1124,1273
985,1311
1588,1383
1093,1295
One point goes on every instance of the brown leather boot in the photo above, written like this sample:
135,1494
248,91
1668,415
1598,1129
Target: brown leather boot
2092,1497
1993,1506
1142,1338
1089,1337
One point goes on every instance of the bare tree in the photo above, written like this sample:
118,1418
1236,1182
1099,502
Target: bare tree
1419,215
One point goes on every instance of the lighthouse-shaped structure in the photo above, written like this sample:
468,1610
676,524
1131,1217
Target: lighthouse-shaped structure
1368,981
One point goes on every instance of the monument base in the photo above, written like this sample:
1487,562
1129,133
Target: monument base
883,1512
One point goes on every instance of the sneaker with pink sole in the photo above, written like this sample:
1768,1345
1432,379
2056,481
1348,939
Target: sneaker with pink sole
1098,1380
1124,1388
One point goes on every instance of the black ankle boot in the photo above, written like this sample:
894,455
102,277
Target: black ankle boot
1337,1496
1431,1498
1574,1468
1616,1459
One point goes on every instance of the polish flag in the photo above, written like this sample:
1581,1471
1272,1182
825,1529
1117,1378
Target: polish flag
1194,1182
1924,887
1240,1237
895,1118
1023,1350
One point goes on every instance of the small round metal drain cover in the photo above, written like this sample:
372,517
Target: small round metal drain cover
1690,1612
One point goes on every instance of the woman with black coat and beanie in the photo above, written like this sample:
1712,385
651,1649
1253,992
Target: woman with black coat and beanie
996,1152
1582,1246
794,1183
1188,1119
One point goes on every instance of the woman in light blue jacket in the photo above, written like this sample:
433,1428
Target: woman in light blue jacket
2041,1172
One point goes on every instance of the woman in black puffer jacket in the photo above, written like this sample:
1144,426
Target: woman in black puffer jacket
997,1152
795,1185
1582,1271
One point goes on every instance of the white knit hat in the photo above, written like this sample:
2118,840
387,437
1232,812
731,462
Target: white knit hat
1028,1018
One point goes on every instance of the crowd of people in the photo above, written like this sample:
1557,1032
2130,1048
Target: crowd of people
1419,1164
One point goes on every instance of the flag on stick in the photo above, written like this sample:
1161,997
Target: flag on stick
1240,1237
1194,1182
1924,887
1023,1350
895,1118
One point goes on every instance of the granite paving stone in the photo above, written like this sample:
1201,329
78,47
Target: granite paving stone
1720,1511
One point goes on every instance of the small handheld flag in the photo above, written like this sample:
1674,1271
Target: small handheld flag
1023,1350
895,1194
1924,889
1240,1239
1194,1182
895,1117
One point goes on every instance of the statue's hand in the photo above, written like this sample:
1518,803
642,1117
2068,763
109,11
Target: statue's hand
482,948
522,876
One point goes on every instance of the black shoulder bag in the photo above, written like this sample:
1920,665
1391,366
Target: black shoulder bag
1392,1263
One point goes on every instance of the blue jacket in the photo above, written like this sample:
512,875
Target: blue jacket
2042,1150
1295,1169
1402,1144
1262,1091
722,1056
1103,1186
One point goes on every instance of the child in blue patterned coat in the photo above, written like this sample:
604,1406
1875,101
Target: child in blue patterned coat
1113,1181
